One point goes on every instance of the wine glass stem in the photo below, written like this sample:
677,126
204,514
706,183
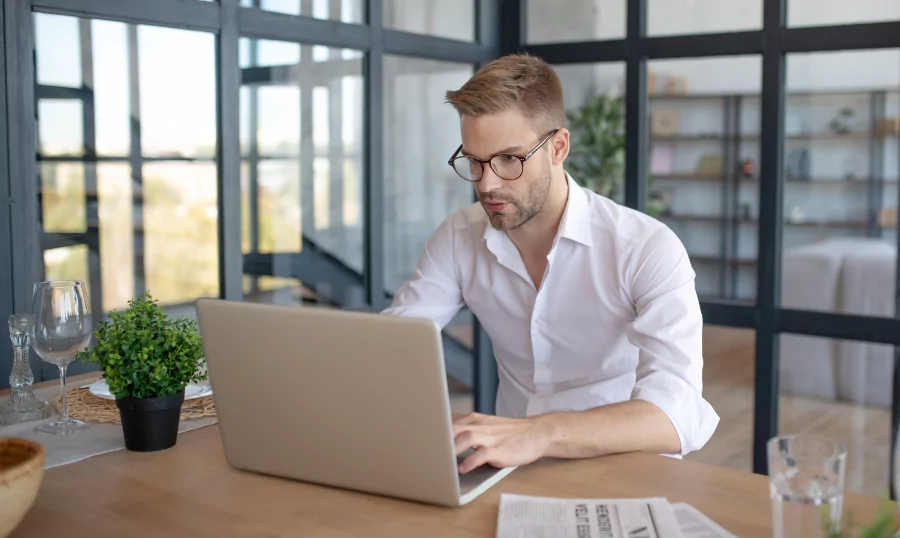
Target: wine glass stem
65,398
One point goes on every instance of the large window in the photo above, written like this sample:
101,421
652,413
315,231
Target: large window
126,124
702,16
841,168
453,20
703,166
575,20
421,131
301,173
278,151
340,10
420,134
776,162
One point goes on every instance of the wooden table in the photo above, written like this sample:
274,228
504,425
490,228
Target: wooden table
191,491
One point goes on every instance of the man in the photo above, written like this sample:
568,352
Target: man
591,306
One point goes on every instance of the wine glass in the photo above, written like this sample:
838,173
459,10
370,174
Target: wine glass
62,327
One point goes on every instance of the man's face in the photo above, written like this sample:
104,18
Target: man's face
508,203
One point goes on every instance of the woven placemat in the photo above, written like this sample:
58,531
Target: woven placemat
85,406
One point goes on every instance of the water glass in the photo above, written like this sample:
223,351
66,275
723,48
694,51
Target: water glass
806,485
63,326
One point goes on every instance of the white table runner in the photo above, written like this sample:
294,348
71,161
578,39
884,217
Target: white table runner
97,439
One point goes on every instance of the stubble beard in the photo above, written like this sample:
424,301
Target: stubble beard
527,208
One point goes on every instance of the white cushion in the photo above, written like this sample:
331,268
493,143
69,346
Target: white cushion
811,278
865,370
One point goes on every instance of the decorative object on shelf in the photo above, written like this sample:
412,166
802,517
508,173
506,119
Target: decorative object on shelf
745,211
797,214
710,165
22,405
651,83
662,158
597,153
840,125
888,127
665,84
797,165
664,122
21,473
747,169
850,164
147,360
887,217
659,202
676,85
793,125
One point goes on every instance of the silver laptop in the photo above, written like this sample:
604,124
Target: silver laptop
346,399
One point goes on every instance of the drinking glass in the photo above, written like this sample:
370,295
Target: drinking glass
62,327
806,485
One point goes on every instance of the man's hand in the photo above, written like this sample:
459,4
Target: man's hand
500,442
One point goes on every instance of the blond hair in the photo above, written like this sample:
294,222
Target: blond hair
519,80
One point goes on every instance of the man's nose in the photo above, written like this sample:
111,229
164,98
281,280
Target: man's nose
490,181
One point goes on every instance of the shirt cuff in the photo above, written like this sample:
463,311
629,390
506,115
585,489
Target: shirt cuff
692,417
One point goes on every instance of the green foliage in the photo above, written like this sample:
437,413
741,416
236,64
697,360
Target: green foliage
143,353
597,153
884,525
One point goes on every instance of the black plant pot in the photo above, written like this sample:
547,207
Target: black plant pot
150,424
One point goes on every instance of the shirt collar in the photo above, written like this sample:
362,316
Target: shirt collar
576,219
575,224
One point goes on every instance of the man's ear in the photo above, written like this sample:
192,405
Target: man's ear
559,146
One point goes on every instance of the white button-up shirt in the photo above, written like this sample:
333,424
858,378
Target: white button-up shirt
616,316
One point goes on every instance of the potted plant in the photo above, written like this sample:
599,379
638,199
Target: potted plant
597,153
885,524
147,359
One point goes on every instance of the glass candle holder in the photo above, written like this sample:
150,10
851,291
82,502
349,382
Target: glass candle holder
22,405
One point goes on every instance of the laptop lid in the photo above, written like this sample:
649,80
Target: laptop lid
346,399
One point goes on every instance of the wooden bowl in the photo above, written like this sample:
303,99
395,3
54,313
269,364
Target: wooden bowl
21,472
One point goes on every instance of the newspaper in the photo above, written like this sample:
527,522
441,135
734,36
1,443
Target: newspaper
696,525
522,516
542,517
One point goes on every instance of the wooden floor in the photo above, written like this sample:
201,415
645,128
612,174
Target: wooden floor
728,386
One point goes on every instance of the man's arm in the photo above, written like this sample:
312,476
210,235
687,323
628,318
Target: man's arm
666,413
630,426
433,292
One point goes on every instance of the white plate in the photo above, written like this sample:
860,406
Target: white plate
100,389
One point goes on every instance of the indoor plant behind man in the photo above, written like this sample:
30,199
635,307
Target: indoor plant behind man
591,306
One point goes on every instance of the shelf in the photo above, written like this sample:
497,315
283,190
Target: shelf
687,138
742,262
755,137
807,224
699,176
756,95
689,176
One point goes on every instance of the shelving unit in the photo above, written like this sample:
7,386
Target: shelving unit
838,176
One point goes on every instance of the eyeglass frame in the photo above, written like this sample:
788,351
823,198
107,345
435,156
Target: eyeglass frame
527,156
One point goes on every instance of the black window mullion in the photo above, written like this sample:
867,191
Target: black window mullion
373,187
770,227
636,106
228,169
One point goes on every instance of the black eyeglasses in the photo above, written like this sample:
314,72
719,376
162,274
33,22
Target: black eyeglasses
505,165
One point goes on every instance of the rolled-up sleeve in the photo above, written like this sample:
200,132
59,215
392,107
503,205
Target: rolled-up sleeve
433,292
668,332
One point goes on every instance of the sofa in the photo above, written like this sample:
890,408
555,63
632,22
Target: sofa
849,276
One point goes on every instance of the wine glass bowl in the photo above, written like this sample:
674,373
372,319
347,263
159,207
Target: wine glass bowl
63,325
